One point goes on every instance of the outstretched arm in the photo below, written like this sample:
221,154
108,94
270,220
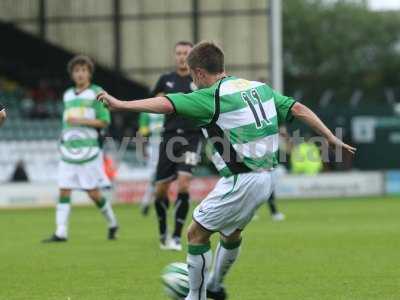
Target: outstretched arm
158,105
86,122
306,115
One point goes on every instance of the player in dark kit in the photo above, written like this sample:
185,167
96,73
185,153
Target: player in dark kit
179,151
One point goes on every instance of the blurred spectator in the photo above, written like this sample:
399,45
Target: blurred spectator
27,104
38,102
43,95
43,92
40,111
19,174
8,86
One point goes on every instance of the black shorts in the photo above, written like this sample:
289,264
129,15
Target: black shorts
178,153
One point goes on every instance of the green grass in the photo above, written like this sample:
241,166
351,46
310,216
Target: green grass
326,249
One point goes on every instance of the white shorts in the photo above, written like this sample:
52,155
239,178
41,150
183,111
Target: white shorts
85,176
231,205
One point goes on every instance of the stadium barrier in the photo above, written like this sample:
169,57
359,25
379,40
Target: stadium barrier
34,195
326,185
349,184
392,182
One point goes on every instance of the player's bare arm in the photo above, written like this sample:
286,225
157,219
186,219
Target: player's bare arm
157,105
3,116
307,116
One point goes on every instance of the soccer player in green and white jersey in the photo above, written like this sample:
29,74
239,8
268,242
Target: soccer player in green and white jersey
151,126
81,165
240,118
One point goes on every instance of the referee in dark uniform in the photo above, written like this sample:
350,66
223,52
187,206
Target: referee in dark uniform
179,151
2,114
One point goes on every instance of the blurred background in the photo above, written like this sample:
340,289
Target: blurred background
341,58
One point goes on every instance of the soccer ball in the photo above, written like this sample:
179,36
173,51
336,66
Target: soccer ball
175,278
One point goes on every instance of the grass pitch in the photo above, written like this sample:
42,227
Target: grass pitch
326,249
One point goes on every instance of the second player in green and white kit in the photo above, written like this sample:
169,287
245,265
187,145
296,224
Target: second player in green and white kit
81,165
151,127
240,118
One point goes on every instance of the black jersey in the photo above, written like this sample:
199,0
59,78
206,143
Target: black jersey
174,83
1,107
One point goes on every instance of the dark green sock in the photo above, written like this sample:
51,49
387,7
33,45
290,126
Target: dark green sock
230,245
199,249
64,199
100,204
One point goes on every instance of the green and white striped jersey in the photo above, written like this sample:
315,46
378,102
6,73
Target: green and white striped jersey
241,119
80,144
151,124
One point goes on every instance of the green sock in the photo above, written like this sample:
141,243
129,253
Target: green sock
199,249
100,204
64,199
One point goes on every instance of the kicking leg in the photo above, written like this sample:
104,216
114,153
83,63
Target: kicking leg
106,210
225,256
199,260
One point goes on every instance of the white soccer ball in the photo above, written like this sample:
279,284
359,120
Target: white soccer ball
175,278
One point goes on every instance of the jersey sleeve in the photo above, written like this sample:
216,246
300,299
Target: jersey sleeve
64,96
102,112
1,107
159,88
198,105
283,106
144,122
